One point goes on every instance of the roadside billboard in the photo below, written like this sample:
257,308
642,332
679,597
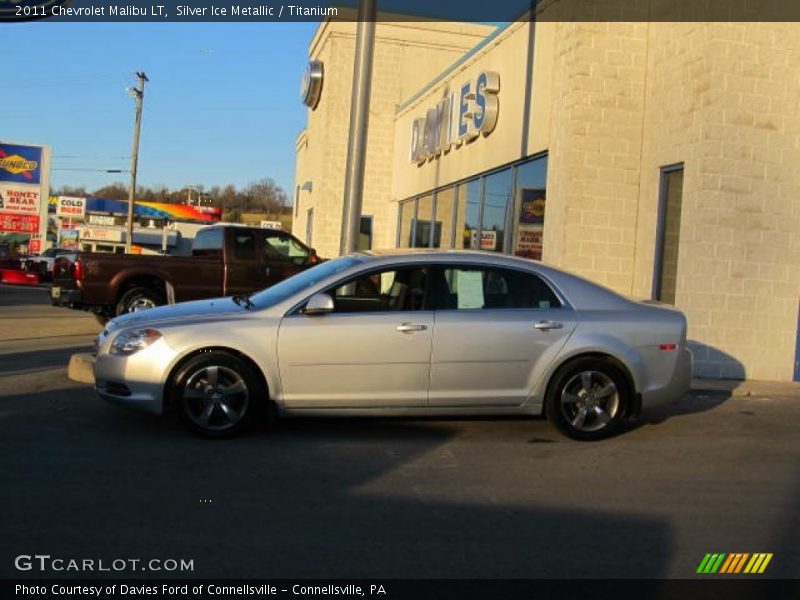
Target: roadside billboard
24,181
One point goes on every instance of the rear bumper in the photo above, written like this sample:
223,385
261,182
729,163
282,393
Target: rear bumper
65,297
676,387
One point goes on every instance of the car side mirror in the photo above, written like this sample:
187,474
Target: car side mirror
319,304
313,258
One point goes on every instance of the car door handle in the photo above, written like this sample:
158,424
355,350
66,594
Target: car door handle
545,325
405,327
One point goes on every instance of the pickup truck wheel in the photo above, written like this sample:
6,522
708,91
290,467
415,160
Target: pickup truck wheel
138,298
217,394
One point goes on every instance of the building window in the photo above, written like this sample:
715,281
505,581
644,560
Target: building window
668,233
309,226
365,233
424,226
469,214
496,196
408,214
530,183
445,219
499,211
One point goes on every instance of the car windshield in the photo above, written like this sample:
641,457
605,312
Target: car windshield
297,283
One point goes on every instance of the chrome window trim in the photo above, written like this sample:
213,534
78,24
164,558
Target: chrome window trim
565,303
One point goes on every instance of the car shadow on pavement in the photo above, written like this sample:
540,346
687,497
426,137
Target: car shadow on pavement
17,362
21,295
313,499
691,403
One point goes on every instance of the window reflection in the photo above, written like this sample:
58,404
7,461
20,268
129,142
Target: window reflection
529,202
444,217
468,211
496,195
422,230
407,210
478,213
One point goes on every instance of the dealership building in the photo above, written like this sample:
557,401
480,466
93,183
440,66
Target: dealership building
660,159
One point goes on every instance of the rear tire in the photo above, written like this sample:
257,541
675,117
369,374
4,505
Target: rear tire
138,298
588,399
217,394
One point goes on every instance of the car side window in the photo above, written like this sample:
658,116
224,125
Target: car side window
208,242
282,247
390,290
468,287
244,245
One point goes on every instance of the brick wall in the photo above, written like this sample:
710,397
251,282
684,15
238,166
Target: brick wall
724,99
406,56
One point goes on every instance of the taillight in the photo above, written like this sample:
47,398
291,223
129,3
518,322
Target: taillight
77,270
667,347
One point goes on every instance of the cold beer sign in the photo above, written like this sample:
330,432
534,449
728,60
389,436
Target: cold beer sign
70,207
458,118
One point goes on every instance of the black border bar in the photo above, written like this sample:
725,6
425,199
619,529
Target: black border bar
483,11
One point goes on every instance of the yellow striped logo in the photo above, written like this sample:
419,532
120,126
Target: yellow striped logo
735,563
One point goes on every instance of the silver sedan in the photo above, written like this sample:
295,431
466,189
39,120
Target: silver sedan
402,333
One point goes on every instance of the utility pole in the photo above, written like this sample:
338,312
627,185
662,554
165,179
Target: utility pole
359,121
138,95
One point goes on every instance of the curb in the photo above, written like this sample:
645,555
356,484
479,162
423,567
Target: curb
81,368
747,388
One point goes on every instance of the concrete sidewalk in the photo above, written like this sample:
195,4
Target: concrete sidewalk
749,387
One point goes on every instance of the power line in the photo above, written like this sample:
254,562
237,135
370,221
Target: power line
74,156
92,170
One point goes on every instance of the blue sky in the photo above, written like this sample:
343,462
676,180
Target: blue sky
222,105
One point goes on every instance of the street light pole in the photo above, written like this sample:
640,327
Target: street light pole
359,121
138,94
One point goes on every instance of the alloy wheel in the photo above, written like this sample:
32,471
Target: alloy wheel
215,398
590,401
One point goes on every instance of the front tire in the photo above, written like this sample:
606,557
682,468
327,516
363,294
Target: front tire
588,399
217,394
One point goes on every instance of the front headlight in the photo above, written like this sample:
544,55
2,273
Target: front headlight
129,342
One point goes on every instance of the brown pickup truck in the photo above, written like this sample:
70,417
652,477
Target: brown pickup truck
226,260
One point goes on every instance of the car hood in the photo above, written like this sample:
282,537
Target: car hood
216,307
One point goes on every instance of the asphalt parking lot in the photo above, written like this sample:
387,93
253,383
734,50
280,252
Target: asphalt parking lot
353,498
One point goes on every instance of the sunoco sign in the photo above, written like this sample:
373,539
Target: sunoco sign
457,119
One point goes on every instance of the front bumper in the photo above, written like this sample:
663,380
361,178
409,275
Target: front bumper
136,381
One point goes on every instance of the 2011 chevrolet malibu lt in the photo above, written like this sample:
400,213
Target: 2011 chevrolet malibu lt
402,333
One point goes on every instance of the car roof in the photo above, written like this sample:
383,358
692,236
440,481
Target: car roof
444,255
